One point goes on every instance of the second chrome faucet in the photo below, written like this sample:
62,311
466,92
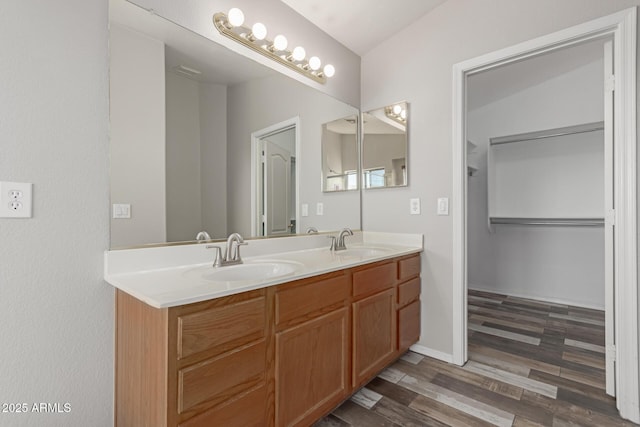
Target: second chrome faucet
232,252
337,243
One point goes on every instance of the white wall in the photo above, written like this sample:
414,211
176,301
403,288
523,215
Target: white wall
561,264
213,158
416,65
56,311
137,149
184,205
261,103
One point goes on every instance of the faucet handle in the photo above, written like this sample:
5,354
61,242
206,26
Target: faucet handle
217,261
333,243
236,250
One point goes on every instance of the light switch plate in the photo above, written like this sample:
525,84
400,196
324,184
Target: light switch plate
320,209
16,199
443,206
121,211
305,209
414,206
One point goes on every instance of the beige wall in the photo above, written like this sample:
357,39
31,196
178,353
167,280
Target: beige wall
416,65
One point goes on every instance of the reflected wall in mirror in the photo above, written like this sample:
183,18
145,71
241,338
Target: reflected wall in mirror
340,154
183,110
384,146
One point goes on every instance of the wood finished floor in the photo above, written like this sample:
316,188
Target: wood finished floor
530,364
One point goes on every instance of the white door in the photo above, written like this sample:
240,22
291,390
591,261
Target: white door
277,189
609,224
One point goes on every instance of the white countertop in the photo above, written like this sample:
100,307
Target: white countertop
174,275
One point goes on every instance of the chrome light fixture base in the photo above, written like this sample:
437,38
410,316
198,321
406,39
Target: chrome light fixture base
243,35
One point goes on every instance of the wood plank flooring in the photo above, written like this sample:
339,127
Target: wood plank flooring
531,363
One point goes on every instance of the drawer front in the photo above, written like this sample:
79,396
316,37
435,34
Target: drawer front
215,380
409,325
374,279
231,325
249,410
408,291
303,302
409,267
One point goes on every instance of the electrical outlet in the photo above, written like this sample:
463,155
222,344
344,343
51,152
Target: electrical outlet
305,209
414,206
319,209
15,199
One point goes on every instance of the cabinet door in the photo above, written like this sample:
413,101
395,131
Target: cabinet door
311,368
408,325
374,335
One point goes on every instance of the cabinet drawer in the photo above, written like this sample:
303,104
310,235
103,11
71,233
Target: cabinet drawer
408,325
231,325
408,292
374,279
245,411
218,379
409,267
303,302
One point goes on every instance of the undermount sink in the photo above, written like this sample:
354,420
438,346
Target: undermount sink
363,251
263,270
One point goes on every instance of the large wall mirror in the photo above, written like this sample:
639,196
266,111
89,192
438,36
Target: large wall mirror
190,121
340,154
384,146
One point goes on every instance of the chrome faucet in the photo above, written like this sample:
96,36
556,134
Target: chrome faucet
337,244
232,253
312,230
202,236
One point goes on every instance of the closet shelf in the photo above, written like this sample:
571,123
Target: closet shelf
575,222
547,133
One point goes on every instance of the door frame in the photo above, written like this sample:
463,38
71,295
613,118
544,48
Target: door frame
621,26
256,159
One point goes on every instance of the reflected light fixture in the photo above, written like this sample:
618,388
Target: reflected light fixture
255,38
397,112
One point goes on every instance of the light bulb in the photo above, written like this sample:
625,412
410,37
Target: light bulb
314,63
329,71
298,53
397,109
259,31
280,42
236,17
403,114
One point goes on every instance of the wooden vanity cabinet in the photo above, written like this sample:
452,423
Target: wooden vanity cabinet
408,303
311,348
180,365
279,356
374,320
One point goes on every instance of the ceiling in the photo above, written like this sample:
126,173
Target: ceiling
361,25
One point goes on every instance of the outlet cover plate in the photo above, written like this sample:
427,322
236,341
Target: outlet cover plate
16,199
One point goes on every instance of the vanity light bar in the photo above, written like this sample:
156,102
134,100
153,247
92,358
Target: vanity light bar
231,26
397,112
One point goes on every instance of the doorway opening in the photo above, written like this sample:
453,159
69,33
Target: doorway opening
274,179
620,168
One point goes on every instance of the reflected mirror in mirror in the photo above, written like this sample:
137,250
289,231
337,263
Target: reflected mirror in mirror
384,146
184,113
340,154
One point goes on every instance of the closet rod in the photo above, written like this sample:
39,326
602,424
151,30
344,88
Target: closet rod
547,133
578,222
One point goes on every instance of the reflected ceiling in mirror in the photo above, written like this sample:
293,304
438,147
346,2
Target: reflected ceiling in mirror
183,110
384,146
340,154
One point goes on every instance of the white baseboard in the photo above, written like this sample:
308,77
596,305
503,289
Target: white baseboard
426,351
473,287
